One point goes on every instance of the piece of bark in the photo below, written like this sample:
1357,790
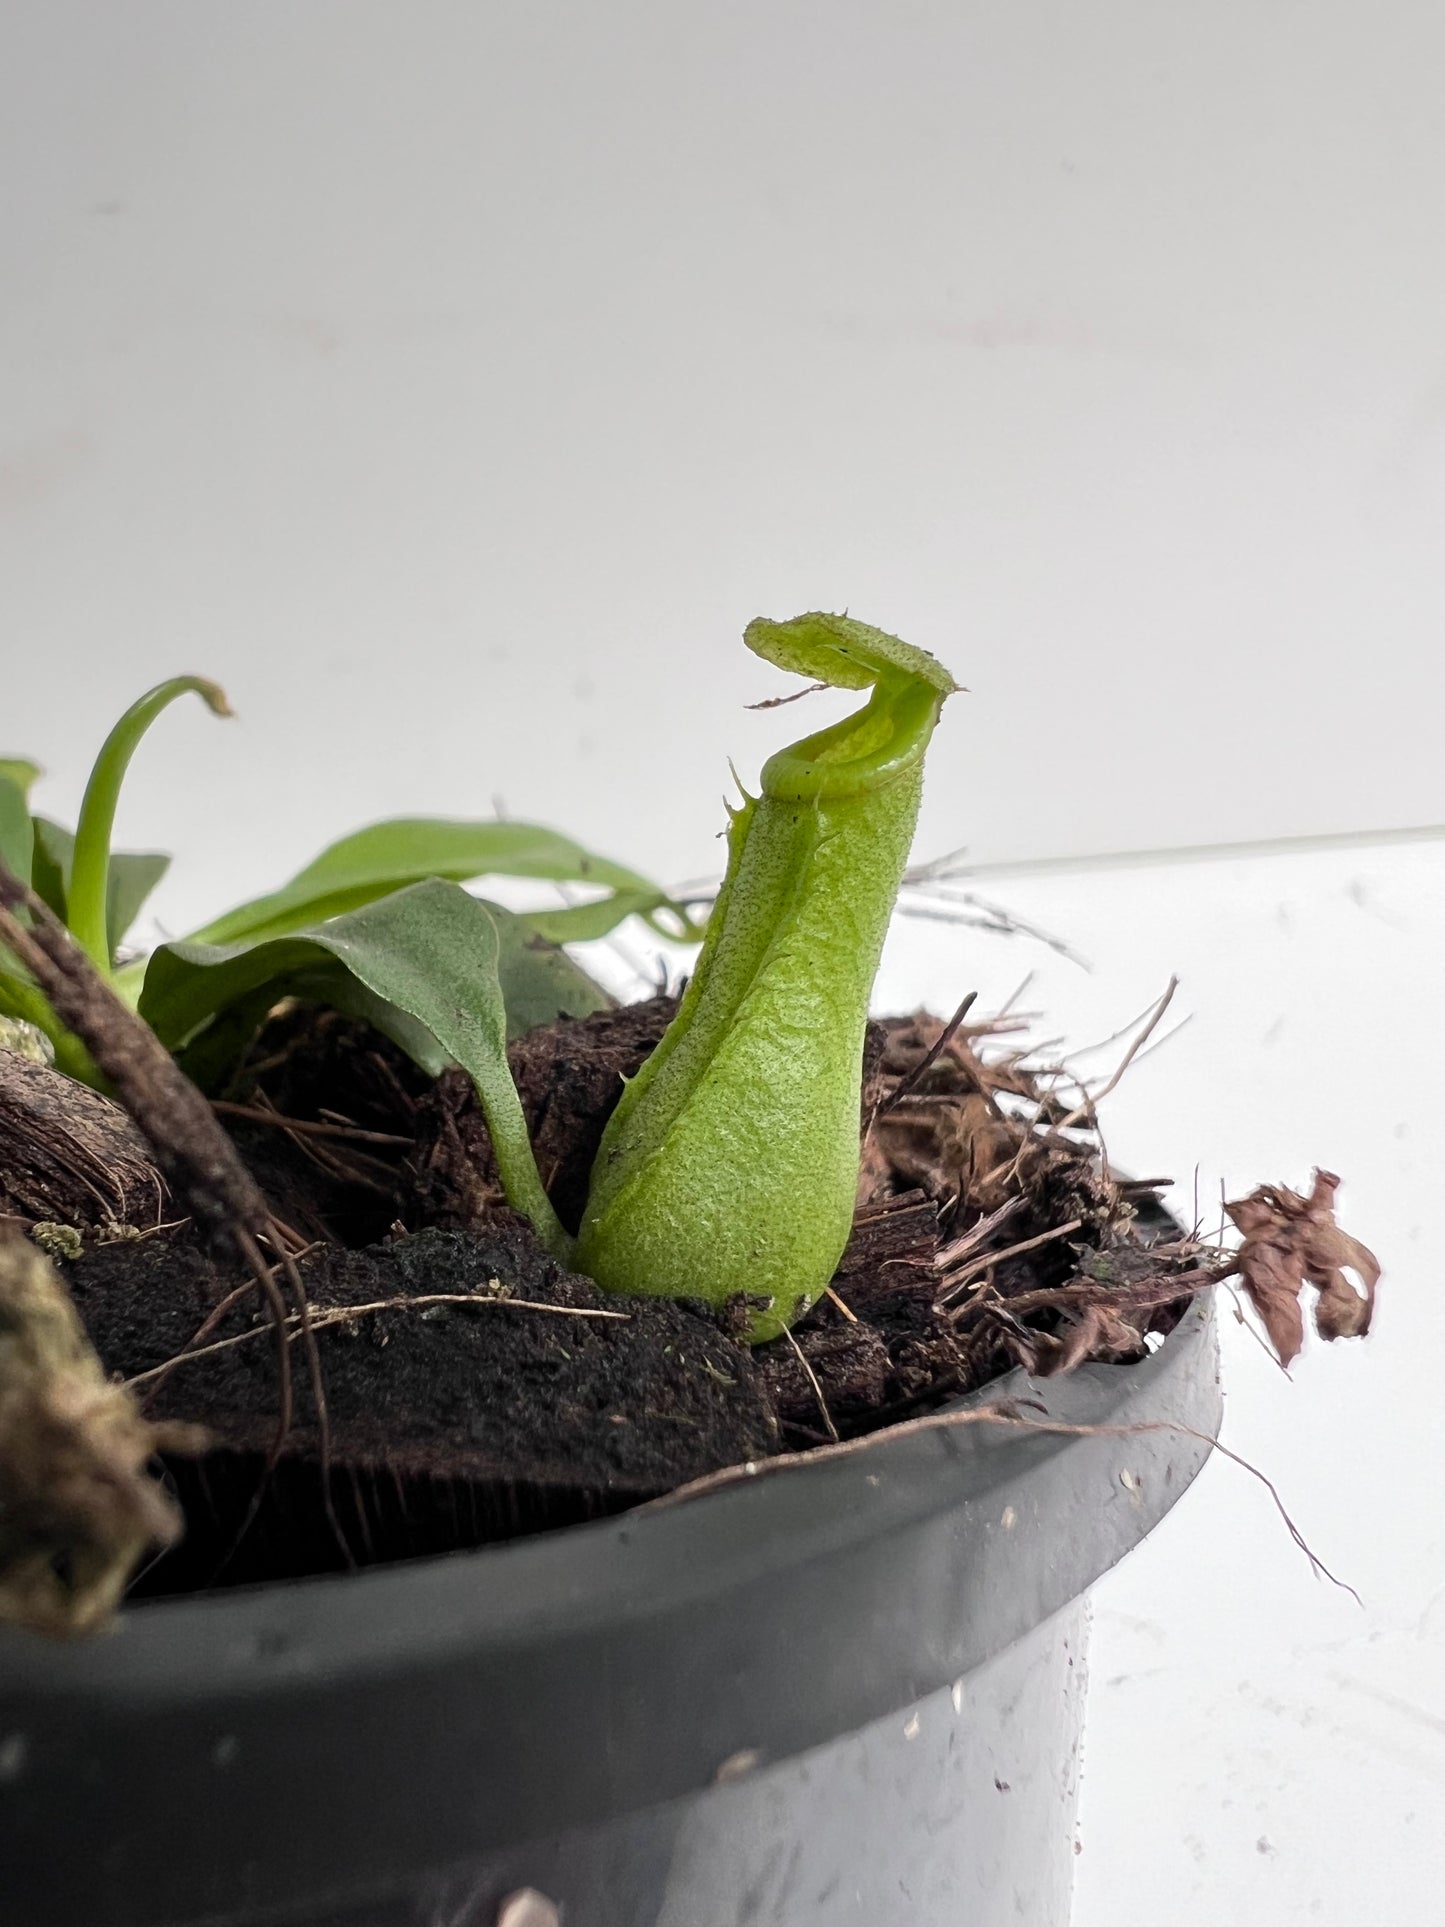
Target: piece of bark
891,1251
78,1508
70,1156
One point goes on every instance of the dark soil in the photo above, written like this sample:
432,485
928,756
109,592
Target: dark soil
450,1422
569,1078
520,1407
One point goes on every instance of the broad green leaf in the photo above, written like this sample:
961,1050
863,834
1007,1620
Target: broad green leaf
387,856
20,771
133,874
189,984
17,835
445,976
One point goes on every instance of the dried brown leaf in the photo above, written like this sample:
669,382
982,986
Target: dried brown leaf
1097,1336
1291,1241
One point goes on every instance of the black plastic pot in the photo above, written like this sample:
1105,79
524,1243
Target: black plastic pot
838,1692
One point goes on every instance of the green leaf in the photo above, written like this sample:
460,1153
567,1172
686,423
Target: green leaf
447,977
20,771
133,874
387,856
20,996
17,835
188,984
89,903
50,869
580,922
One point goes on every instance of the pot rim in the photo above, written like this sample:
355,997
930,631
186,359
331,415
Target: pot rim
477,1699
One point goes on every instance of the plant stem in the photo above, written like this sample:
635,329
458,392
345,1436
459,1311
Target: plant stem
516,1160
86,901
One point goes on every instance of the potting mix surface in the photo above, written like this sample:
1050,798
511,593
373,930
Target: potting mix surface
473,1388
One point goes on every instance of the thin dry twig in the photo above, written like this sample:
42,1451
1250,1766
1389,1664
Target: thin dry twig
976,1236
848,1313
307,1127
1103,1043
285,1237
910,1083
937,869
987,1260
318,1391
979,913
1096,1097
1008,1003
991,1415
379,1178
323,1317
780,702
1143,1295
828,1426
310,1140
213,1320
1167,1038
1008,1171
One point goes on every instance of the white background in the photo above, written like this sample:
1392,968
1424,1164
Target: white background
1259,1748
454,381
